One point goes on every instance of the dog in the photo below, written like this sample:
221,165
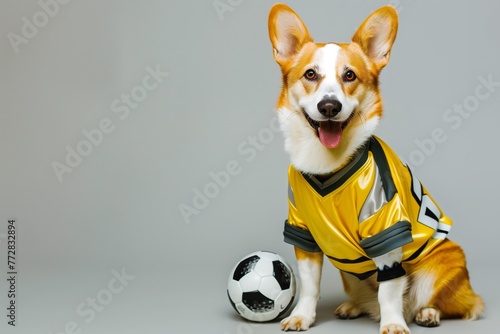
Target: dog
350,197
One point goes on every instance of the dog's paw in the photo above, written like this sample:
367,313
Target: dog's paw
296,322
348,310
428,317
394,329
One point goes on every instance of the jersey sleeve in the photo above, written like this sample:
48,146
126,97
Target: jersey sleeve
300,237
295,230
388,229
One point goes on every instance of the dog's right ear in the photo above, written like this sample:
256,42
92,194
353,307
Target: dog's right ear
287,33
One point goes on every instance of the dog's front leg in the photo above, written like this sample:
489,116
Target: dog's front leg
390,293
304,313
390,298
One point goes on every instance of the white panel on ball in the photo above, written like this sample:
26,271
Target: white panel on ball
264,267
234,291
269,287
250,282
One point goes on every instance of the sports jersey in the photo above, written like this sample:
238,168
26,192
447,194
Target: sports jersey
370,207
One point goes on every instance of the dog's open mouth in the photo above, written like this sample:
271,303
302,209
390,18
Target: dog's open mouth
329,132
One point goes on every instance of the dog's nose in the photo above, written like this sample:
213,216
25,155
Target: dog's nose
329,107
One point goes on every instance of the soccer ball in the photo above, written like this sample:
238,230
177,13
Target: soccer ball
261,286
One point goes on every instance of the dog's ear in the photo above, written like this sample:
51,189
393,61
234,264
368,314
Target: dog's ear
287,32
377,34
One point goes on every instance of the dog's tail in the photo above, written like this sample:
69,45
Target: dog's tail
477,310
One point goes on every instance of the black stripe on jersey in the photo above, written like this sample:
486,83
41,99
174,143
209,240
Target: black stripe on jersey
383,165
325,188
418,200
362,276
417,252
442,231
349,261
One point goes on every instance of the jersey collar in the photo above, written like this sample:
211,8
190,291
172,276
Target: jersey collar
338,178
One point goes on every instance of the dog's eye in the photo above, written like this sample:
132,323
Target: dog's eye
349,76
311,75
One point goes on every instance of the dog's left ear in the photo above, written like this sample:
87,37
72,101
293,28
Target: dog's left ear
377,34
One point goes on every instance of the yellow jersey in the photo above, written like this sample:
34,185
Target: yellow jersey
368,208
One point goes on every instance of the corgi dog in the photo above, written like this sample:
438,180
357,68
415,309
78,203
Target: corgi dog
350,197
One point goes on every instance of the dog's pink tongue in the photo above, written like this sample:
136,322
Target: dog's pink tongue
330,133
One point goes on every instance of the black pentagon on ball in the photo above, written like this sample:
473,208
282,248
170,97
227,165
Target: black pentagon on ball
245,266
257,302
282,274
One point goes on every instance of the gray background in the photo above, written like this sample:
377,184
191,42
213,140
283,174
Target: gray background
119,208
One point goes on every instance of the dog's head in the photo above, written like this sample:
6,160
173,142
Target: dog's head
330,102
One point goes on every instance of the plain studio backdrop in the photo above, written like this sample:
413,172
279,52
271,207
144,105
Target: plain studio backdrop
141,160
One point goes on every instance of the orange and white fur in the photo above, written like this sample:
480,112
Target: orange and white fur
438,286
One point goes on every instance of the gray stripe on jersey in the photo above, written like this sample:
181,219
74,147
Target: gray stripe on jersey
301,238
375,199
389,239
290,195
